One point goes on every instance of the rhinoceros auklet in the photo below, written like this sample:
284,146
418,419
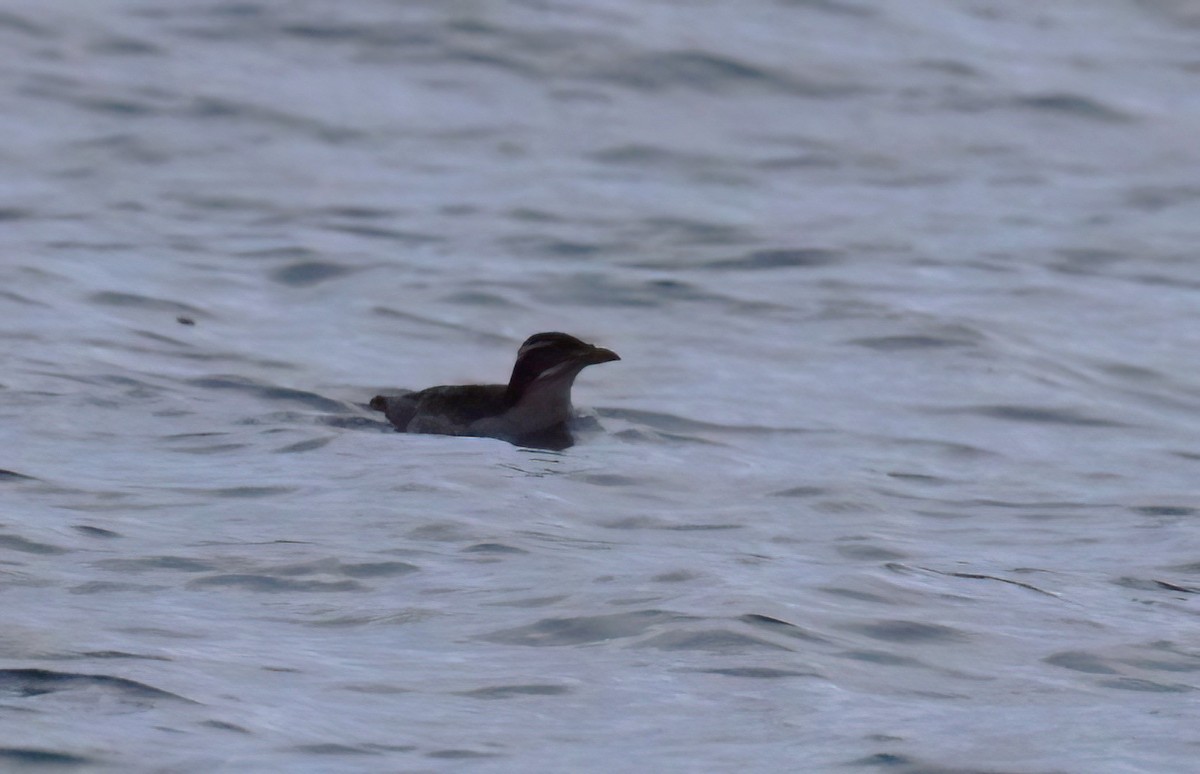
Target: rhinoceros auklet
531,410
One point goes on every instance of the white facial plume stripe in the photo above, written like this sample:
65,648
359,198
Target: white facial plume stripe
555,370
536,345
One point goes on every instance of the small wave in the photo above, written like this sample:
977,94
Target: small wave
36,682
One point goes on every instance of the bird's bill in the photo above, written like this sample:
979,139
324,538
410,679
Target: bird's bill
600,355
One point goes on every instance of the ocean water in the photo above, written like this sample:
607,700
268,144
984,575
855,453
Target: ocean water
898,471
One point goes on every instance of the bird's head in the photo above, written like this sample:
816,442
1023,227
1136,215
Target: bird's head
553,356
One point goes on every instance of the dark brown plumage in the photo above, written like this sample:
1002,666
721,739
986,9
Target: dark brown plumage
533,409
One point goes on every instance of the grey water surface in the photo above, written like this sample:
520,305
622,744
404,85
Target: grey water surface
898,472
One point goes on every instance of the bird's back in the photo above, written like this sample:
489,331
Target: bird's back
448,410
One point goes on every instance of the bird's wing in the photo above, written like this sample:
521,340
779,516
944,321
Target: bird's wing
444,410
399,409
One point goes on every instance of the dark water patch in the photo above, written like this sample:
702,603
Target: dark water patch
20,299
96,532
552,247
123,108
1157,198
476,298
640,160
391,748
159,632
905,343
1080,661
1145,686
377,569
155,564
109,587
354,621
1037,414
779,627
357,423
649,522
949,67
303,446
677,424
217,448
855,594
948,448
493,548
835,7
18,543
272,585
440,532
513,691
591,289
299,254
24,683
677,576
649,155
801,491
271,392
161,339
633,435
780,258
15,23
1156,665
309,273
14,213
683,231
710,641
585,629
909,631
335,567
483,336
881,657
919,478
227,110
376,689
531,602
1164,510
224,203
1073,105
530,215
31,757
135,301
378,232
221,725
358,212
607,479
119,654
122,46
331,748
901,568
868,552
884,759
1086,260
1127,371
12,475
757,673
458,755
1176,587
703,71
903,764
241,492
329,31
796,161
506,62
